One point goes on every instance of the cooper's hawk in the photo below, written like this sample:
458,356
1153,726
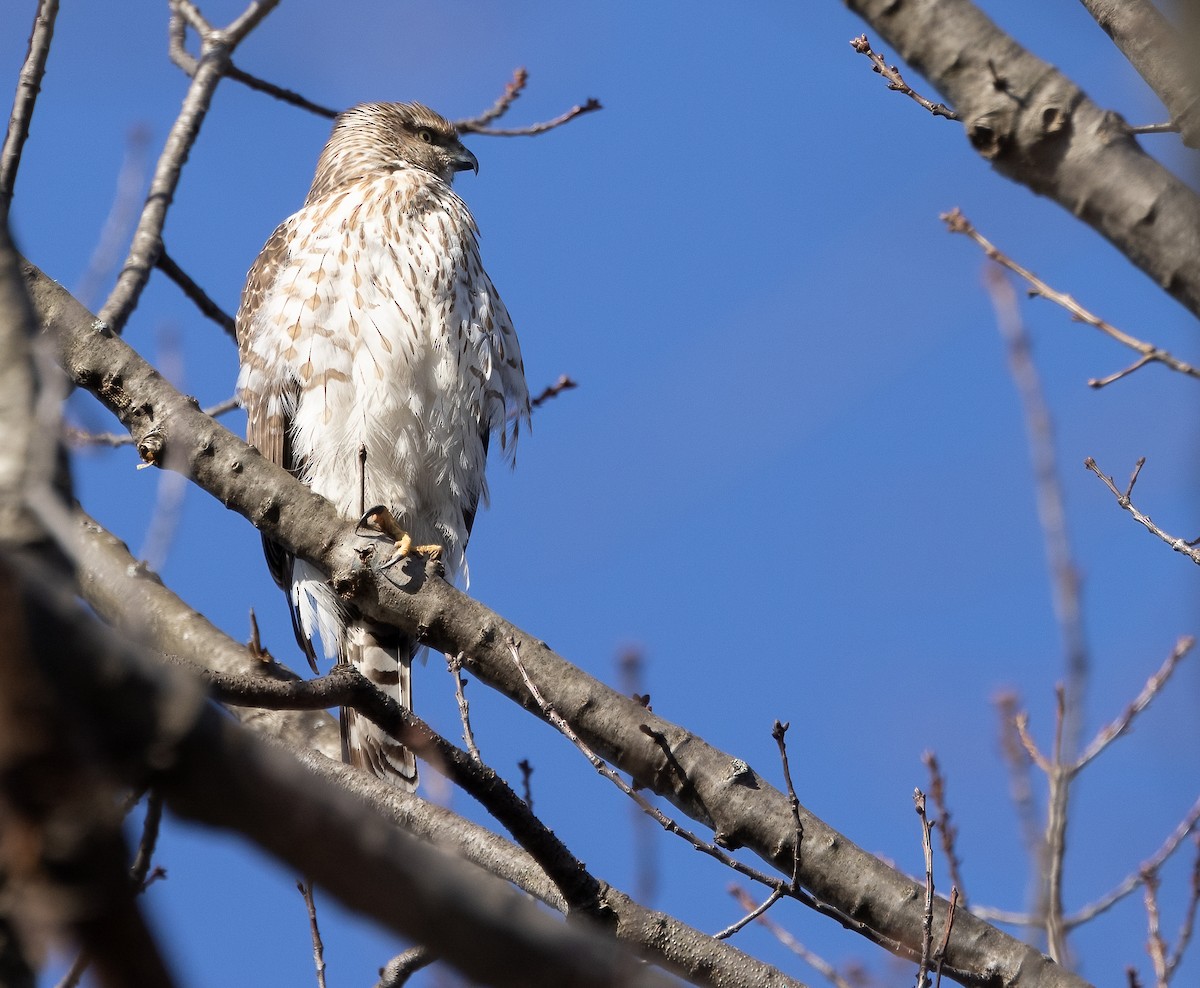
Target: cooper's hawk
377,359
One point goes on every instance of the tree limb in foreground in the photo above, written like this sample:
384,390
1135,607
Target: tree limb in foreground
1038,128
133,600
723,792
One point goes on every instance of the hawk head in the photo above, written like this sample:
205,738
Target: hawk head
382,137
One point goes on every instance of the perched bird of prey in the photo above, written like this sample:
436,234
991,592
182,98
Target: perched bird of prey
377,359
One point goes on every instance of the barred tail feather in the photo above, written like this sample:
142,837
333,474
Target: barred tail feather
385,657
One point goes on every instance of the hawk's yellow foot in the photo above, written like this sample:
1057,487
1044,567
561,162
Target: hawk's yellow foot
382,520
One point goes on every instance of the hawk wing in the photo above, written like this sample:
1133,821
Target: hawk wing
268,401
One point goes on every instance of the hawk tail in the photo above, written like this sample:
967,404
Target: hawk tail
384,656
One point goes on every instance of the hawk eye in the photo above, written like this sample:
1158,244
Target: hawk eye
425,135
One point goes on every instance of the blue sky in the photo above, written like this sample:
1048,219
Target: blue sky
794,473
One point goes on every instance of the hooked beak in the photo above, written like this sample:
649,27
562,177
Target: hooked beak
464,159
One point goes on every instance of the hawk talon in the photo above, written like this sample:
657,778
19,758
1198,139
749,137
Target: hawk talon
382,521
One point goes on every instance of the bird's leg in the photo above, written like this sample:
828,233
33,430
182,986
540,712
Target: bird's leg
382,520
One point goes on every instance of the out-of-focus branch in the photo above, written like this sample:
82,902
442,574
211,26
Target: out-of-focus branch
1154,685
564,383
957,223
1188,549
1052,511
121,219
723,792
1036,127
1153,46
63,851
62,856
134,600
29,84
142,721
217,47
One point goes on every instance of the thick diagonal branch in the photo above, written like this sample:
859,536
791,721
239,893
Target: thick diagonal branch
721,791
1153,46
133,600
1036,127
149,725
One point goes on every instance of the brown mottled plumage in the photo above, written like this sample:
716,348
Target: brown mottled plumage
368,321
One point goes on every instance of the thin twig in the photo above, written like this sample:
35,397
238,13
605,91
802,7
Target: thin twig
815,961
1059,779
1179,545
255,644
1020,782
1021,722
1158,128
503,102
779,733
306,890
751,916
216,49
525,766
1051,504
166,264
649,808
1132,881
278,92
564,383
1155,945
140,870
927,914
956,222
532,130
454,664
29,84
346,687
941,953
1188,926
946,829
631,669
403,966
1110,732
81,437
895,81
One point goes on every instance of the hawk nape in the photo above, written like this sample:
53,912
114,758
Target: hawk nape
367,322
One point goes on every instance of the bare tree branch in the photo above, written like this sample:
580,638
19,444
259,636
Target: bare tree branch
1153,687
896,81
1188,549
143,720
855,888
1153,46
1051,505
957,223
132,599
29,84
217,47
403,966
1036,127
204,303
